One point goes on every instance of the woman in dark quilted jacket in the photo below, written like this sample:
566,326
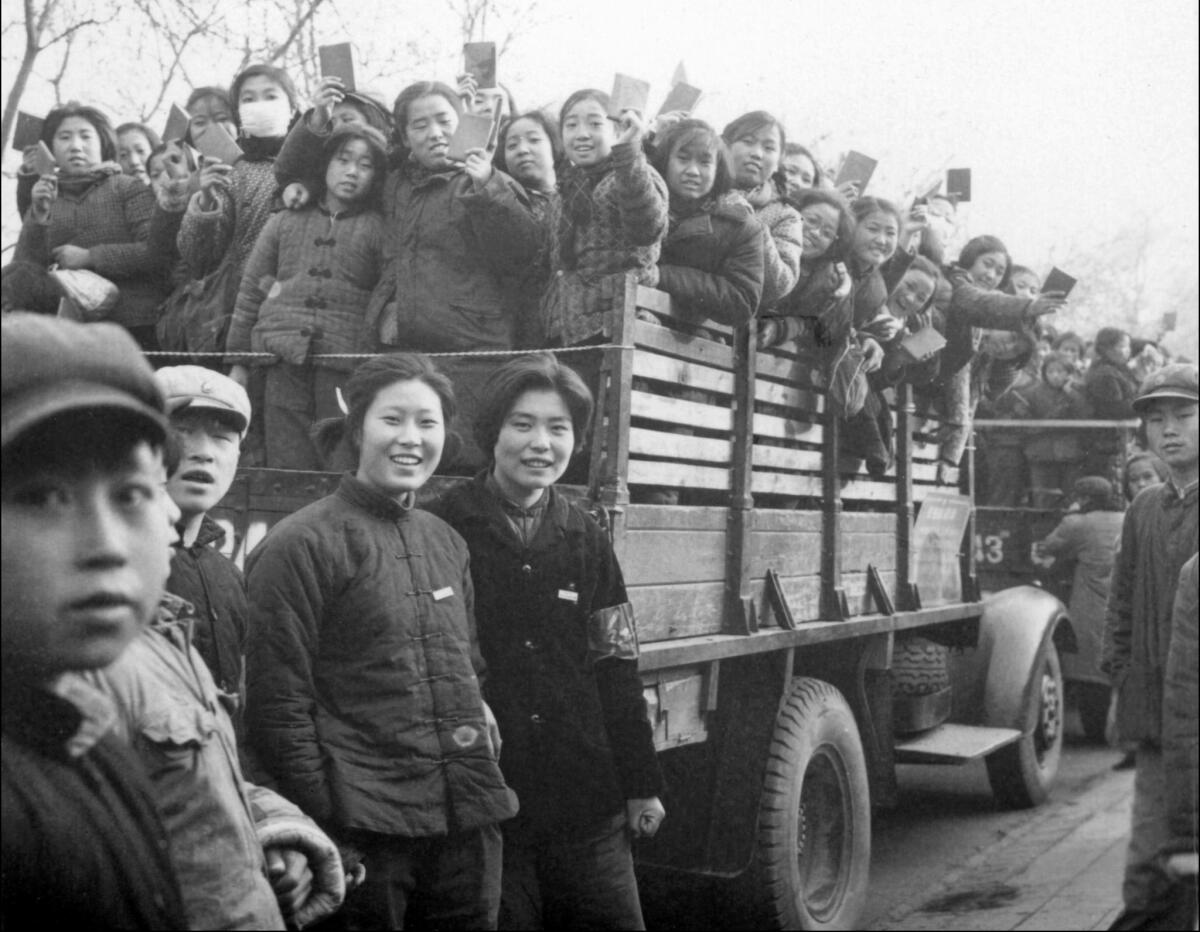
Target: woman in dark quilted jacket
557,631
88,215
364,673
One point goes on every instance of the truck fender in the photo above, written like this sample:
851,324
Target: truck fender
1015,625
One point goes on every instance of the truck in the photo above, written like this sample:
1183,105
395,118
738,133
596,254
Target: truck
803,629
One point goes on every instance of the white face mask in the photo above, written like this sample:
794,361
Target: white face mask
265,118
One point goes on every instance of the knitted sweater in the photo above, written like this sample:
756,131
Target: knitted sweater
306,286
231,228
589,260
783,241
108,214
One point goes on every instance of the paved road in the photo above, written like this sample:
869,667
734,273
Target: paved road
948,858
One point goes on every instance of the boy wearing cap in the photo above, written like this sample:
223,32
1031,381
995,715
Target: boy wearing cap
85,546
1158,537
246,857
209,415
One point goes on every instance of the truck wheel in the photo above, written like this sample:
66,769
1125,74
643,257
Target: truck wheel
1021,774
1093,701
814,819
919,666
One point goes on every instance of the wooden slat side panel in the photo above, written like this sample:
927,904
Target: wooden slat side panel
676,517
680,413
697,349
680,373
678,475
671,557
863,550
655,444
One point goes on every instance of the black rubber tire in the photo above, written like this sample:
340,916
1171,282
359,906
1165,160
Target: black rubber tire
814,822
919,666
1093,700
1022,773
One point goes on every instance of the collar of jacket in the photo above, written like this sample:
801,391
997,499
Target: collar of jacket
483,507
65,716
77,184
1177,494
368,499
762,195
260,148
358,207
210,534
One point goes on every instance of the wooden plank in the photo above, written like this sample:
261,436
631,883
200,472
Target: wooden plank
668,612
657,444
811,486
788,554
795,371
676,411
769,458
678,475
676,517
868,522
680,373
861,550
660,303
662,340
671,557
792,521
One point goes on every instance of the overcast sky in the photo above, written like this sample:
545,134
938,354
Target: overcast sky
1074,116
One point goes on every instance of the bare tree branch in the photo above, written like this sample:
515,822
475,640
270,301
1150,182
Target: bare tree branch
281,49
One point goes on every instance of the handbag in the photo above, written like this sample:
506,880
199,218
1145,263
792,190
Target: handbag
196,316
85,296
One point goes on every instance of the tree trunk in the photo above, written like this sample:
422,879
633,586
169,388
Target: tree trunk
14,95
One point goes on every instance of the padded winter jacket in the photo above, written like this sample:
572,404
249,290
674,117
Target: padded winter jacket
557,632
108,214
364,702
712,262
1158,537
440,290
306,287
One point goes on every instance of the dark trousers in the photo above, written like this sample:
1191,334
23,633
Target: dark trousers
584,881
442,882
295,398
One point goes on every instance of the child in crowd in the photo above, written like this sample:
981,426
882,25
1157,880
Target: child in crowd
756,143
209,416
208,105
332,109
971,300
609,220
135,142
557,632
305,290
712,257
1142,470
1024,282
87,216
1109,387
1158,538
811,310
529,150
224,219
1054,454
801,168
86,535
245,857
364,689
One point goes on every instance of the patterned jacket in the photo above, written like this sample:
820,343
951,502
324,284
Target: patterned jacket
783,242
109,215
208,237
589,261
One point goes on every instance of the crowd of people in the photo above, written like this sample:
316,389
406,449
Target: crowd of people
401,716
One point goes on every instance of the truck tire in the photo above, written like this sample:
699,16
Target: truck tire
1093,699
919,666
814,823
1022,773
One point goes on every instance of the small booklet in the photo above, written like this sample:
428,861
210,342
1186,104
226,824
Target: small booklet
628,94
857,168
177,124
682,97
479,61
216,143
923,344
44,162
27,131
958,184
473,132
1058,280
337,61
